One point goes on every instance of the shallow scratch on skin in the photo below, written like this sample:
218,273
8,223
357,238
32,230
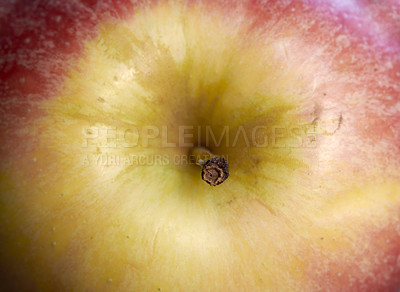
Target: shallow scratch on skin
270,210
340,122
285,52
338,126
154,240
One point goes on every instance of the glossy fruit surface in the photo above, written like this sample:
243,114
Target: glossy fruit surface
101,103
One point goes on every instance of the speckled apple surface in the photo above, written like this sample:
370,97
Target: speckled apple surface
316,216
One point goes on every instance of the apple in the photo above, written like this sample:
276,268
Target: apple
102,103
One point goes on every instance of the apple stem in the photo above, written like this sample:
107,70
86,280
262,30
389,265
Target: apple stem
215,169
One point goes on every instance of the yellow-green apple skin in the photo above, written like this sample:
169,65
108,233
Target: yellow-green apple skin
101,102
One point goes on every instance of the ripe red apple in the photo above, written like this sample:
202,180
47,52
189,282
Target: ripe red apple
102,102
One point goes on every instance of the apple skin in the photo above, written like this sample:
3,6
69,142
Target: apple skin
300,219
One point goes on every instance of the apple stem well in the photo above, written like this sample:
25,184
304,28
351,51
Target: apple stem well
215,169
